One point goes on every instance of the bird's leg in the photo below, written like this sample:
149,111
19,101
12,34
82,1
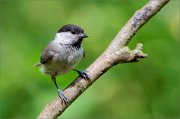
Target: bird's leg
60,92
82,74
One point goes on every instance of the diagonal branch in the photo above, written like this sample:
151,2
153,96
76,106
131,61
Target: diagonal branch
117,52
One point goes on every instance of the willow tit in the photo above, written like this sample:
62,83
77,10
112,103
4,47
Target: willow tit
63,54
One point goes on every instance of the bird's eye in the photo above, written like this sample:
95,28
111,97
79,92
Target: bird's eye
73,32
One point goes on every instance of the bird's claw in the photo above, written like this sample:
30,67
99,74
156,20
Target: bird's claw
63,97
84,75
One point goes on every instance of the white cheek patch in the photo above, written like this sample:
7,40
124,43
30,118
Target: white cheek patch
66,37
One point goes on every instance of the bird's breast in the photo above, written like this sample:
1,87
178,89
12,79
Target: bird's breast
63,61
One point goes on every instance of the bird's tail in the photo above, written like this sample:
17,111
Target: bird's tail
37,64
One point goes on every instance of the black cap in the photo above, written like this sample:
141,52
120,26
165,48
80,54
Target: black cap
74,29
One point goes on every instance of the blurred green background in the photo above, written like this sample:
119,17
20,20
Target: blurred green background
147,89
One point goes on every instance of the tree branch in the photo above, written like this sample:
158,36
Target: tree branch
117,52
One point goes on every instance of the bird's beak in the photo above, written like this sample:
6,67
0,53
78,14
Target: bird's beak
85,36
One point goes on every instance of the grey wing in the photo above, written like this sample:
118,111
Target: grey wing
47,55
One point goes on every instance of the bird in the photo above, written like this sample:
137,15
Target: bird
62,54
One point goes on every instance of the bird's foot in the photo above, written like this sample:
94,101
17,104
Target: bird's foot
82,74
62,96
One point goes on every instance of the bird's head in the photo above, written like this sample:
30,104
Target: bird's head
69,34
